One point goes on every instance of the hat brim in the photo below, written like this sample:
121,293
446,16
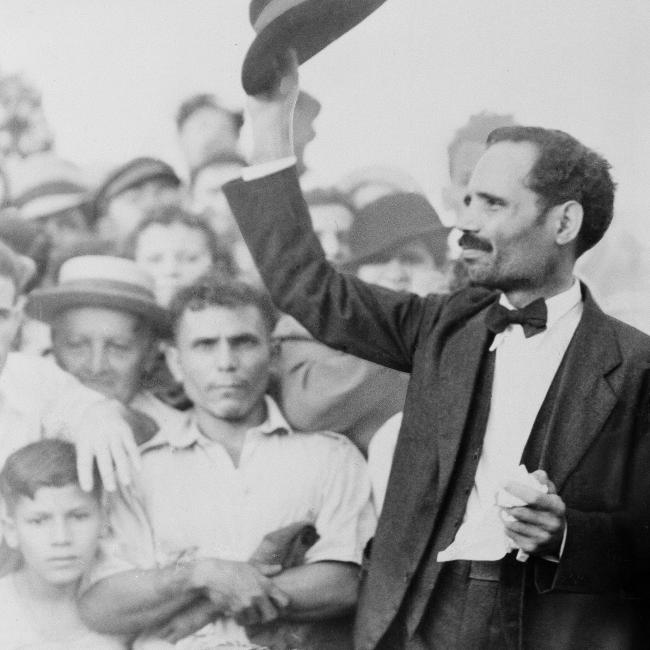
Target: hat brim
307,28
371,252
46,304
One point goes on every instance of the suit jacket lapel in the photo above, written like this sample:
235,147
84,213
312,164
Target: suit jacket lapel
459,367
585,397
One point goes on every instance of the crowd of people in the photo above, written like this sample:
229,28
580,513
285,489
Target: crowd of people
183,465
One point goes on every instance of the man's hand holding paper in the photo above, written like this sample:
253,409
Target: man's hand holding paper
527,515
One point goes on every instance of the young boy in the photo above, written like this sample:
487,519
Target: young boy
55,527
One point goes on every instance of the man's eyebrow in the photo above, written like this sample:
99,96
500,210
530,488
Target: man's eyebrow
205,340
486,196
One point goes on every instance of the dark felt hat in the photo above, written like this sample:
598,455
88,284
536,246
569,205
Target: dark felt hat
307,26
131,174
391,221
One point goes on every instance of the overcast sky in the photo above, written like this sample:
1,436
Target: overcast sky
113,72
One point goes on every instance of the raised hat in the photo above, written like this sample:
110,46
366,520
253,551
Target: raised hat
391,221
135,172
307,26
100,281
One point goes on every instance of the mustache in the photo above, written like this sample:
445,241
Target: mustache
469,240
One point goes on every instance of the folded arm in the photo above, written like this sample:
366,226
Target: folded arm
315,592
319,590
134,601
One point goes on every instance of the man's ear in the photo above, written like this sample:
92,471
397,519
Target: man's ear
9,529
149,360
568,221
17,315
173,363
276,346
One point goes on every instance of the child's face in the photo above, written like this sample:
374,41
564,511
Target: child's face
57,532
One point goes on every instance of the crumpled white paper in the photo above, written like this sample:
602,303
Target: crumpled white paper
485,539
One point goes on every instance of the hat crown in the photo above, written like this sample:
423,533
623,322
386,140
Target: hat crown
106,269
391,220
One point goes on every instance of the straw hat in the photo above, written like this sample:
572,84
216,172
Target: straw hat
100,281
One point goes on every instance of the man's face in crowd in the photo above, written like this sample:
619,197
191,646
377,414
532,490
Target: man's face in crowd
332,223
66,228
223,356
106,349
410,266
57,533
174,255
125,211
207,131
10,316
507,243
208,196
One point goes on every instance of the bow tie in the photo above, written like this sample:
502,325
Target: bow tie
532,317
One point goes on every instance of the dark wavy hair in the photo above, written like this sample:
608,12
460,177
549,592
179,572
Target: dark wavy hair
214,290
566,170
168,215
46,463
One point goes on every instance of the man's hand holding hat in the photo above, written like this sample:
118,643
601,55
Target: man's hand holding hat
271,112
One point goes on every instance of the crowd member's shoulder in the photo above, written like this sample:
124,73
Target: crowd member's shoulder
31,366
319,437
326,444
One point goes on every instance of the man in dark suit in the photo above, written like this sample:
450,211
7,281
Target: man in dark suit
558,386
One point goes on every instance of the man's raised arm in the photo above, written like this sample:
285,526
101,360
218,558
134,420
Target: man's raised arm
338,309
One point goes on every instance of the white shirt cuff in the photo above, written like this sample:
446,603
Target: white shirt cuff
254,172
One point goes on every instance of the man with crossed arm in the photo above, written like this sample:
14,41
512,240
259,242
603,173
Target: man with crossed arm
188,545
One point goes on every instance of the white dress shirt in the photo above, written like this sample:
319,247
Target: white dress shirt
523,371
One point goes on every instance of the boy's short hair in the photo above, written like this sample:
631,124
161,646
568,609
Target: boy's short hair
213,290
169,215
46,463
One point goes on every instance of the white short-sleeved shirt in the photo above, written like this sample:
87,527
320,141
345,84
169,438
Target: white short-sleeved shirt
191,500
19,632
37,400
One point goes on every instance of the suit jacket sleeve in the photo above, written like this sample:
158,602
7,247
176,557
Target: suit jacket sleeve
341,311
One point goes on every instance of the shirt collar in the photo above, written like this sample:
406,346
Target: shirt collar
557,305
190,434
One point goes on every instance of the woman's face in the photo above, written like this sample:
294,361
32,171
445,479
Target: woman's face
408,267
175,255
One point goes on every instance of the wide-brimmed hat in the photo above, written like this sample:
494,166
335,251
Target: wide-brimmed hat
44,184
131,174
100,281
391,221
307,26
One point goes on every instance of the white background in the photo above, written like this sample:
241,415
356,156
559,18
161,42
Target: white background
113,72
